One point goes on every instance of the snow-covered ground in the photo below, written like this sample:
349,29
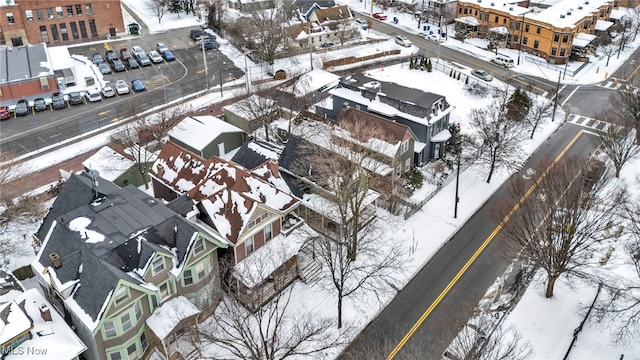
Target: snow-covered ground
547,323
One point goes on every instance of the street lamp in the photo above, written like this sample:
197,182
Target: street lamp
204,59
520,38
220,75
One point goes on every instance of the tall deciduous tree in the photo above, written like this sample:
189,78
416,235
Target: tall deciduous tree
616,140
627,105
556,221
539,111
497,139
265,32
157,7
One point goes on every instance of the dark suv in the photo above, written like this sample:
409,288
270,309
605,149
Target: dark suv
125,54
111,55
57,101
39,105
22,108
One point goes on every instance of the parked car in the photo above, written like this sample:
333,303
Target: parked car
132,63
208,44
75,98
434,37
482,74
4,113
403,41
380,16
117,65
93,95
111,55
125,54
143,59
107,91
39,105
155,57
104,69
22,108
161,47
137,85
121,87
167,55
503,60
136,50
97,59
196,33
57,101
362,23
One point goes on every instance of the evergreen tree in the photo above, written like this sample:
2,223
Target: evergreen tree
175,6
429,67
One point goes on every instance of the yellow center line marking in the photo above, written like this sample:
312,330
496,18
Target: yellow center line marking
633,73
542,91
444,292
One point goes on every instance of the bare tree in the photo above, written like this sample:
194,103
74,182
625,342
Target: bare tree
606,47
343,29
540,111
265,32
275,330
616,141
260,108
627,105
216,10
18,207
497,140
157,7
634,16
556,225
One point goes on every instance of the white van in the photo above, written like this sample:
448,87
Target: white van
503,60
401,40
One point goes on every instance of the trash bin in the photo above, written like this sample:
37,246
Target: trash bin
424,28
134,29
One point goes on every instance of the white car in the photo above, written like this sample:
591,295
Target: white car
155,57
136,50
93,95
121,87
161,47
107,91
434,37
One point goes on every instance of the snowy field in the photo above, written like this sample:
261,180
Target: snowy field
547,324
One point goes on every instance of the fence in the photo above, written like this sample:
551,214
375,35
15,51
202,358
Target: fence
553,67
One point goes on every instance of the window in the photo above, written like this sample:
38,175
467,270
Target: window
538,30
54,32
137,310
562,52
466,11
188,277
399,170
248,245
39,14
565,38
554,51
125,320
585,25
69,10
59,11
556,37
10,18
202,267
486,17
50,13
143,342
199,246
526,28
89,9
78,9
83,29
122,294
154,302
268,235
164,290
504,21
496,20
407,164
115,356
264,215
158,265
524,40
536,43
515,38
404,147
43,34
109,329
63,32
74,30
92,27
29,15
132,351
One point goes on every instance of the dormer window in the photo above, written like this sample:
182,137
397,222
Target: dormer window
121,295
158,265
199,247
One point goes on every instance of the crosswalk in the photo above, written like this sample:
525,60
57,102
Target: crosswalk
588,122
613,84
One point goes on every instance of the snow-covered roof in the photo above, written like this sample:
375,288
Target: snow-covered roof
255,268
242,107
108,163
502,30
15,324
228,192
618,14
55,336
603,25
330,209
60,58
468,20
567,13
583,40
165,318
442,136
200,131
314,80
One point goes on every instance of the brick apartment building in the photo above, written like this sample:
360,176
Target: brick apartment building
58,22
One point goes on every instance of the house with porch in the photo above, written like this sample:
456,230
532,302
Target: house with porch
111,257
425,113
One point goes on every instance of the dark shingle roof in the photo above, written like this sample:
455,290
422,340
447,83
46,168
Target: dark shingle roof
296,160
248,157
182,205
392,90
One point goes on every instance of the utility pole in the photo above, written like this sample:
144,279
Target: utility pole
204,59
309,43
220,75
555,98
455,207
520,38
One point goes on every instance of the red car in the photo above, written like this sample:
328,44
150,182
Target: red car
380,16
4,113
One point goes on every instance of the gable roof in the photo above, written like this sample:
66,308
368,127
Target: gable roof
226,191
109,239
200,131
332,13
392,132
254,153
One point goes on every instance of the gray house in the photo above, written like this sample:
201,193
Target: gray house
207,135
426,114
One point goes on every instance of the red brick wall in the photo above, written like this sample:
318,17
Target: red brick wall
106,14
26,89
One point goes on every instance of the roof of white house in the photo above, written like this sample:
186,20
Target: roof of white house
200,131
108,163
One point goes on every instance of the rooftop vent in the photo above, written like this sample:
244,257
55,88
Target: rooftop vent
55,260
561,16
586,2
580,7
493,4
45,312
511,9
569,12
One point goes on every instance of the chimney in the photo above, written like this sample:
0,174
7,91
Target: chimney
55,260
45,313
345,106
